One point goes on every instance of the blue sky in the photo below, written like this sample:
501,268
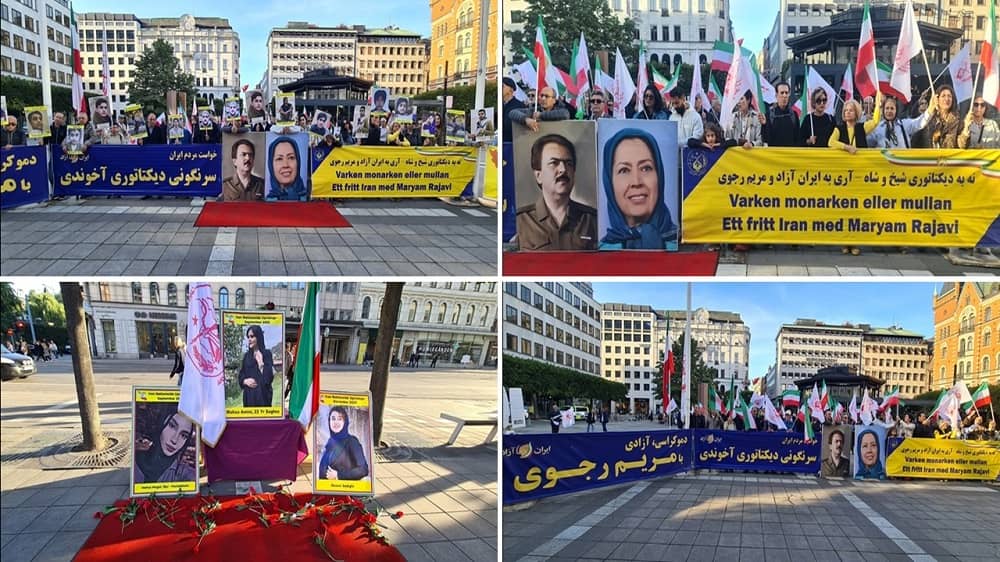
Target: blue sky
752,21
255,23
765,306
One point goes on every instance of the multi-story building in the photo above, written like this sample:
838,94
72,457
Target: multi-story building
302,46
806,346
452,323
455,32
632,352
207,48
393,58
897,356
138,320
966,328
24,22
724,340
798,18
556,323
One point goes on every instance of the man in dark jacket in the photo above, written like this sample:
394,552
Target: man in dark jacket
555,418
782,127
548,110
12,135
58,129
157,134
510,103
208,136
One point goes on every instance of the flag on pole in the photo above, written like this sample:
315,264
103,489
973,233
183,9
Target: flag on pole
937,404
815,404
838,410
105,71
853,407
581,75
527,71
714,400
908,46
518,92
790,398
714,91
623,88
663,85
989,59
847,83
642,75
824,397
738,82
981,397
303,403
79,103
869,408
865,71
884,76
203,393
964,396
671,406
947,408
960,69
602,81
668,363
816,81
801,105
743,411
545,76
890,400
807,427
772,416
697,89
722,56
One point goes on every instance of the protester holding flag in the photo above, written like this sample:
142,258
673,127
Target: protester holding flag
818,125
978,131
652,105
745,128
547,111
892,131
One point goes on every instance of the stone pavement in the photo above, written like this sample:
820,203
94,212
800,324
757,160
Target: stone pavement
756,517
812,261
132,236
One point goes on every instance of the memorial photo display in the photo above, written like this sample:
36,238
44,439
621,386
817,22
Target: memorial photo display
254,364
165,445
343,462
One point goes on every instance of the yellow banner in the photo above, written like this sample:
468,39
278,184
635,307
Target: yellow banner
346,400
164,487
919,197
492,182
142,394
384,171
945,459
344,486
241,412
250,318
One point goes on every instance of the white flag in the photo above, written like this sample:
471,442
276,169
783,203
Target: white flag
623,88
961,74
853,408
527,72
909,46
961,391
771,415
672,405
203,395
868,408
518,92
816,81
568,417
815,405
738,82
697,89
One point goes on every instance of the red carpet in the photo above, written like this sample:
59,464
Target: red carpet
314,214
623,263
238,535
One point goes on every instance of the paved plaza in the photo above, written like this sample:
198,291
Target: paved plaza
759,517
448,493
133,236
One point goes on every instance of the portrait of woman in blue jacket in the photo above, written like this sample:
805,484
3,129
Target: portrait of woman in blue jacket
286,180
343,457
633,176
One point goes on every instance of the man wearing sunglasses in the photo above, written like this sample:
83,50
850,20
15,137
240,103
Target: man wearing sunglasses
979,132
547,111
11,135
599,106
816,129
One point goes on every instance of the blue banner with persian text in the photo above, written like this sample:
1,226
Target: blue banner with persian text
509,220
23,176
193,170
776,451
540,465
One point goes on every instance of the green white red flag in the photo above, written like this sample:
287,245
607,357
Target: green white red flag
304,400
790,398
79,102
989,59
807,427
663,85
890,400
743,411
714,400
981,397
866,71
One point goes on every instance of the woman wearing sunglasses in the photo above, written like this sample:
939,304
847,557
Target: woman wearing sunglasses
816,129
979,132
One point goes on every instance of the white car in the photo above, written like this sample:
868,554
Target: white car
16,365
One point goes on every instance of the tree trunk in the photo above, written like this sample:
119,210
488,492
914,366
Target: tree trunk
83,371
379,383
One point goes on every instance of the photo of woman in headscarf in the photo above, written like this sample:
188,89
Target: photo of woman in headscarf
164,445
257,370
633,177
869,455
284,169
343,456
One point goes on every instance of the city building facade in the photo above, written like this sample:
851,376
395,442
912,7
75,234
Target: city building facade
555,323
898,357
393,58
444,324
806,346
21,33
632,352
724,340
300,46
966,327
454,44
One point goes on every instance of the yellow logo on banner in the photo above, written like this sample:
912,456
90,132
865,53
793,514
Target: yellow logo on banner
945,459
919,197
384,171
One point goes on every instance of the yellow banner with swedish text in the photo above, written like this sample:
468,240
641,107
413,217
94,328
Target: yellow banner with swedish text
384,171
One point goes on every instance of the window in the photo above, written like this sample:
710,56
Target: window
652,33
154,293
702,33
677,33
223,297
136,292
470,315
457,314
172,294
110,341
486,316
366,307
241,298
443,313
412,316
428,308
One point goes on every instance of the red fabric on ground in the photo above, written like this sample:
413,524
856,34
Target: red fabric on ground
621,262
238,535
313,214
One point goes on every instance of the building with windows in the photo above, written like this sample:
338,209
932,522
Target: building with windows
138,320
447,323
455,32
24,22
966,328
806,346
300,46
393,58
723,338
556,323
897,356
207,48
631,353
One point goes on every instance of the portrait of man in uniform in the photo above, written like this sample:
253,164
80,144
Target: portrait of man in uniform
835,463
552,219
243,185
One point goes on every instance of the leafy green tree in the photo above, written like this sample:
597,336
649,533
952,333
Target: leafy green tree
463,97
544,382
47,308
565,19
23,93
156,71
11,306
700,372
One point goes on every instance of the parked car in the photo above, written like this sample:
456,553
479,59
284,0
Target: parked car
579,412
16,365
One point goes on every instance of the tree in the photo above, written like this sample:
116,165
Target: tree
379,383
156,71
11,306
542,381
565,19
700,372
463,97
83,370
47,309
23,93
